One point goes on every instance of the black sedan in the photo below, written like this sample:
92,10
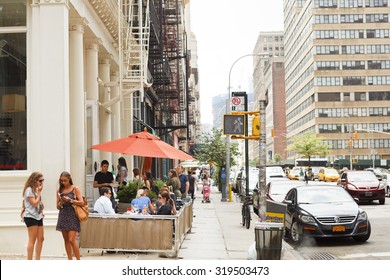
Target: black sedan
324,211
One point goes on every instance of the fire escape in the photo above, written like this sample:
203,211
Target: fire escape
169,70
133,45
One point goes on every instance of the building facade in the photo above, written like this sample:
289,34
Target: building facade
338,74
268,81
74,73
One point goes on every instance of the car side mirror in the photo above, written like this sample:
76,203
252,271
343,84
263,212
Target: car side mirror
343,180
356,200
287,201
380,178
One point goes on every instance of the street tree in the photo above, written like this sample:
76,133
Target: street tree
213,148
278,158
309,145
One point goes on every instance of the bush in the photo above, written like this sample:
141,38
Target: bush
129,192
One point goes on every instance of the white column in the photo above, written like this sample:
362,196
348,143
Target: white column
104,113
92,86
53,95
48,124
77,102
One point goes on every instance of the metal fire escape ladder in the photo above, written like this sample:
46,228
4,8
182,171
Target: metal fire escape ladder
134,30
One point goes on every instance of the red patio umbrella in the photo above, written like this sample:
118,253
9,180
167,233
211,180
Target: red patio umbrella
143,144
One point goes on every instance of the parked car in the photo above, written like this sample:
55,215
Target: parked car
294,174
314,171
363,185
328,174
275,172
322,212
276,190
383,174
241,180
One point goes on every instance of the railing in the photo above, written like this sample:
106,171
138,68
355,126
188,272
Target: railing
137,233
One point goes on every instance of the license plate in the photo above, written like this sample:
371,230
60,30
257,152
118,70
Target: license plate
368,193
338,228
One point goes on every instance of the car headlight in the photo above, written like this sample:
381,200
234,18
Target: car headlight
306,218
362,216
351,187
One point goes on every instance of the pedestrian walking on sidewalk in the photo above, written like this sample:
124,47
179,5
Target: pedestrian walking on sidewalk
32,214
68,223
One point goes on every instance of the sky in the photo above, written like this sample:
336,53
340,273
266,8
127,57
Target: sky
226,30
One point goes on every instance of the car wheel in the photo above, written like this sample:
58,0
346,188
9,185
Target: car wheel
364,238
381,201
296,233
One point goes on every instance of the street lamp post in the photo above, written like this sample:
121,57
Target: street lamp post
228,111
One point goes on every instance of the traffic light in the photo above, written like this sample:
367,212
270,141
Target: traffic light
272,132
256,126
355,135
350,143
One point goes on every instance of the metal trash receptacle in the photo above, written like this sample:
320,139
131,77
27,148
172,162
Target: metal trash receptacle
269,237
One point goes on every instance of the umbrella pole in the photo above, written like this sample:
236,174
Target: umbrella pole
141,171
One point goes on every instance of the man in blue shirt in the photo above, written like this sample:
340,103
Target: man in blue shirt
184,183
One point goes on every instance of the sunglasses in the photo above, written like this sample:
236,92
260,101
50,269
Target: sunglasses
40,181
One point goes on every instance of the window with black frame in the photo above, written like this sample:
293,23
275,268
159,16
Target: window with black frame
13,71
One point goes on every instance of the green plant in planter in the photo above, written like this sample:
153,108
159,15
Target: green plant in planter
127,193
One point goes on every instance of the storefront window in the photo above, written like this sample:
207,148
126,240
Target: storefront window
13,70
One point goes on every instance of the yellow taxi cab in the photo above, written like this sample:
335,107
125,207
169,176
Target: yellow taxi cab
294,174
328,174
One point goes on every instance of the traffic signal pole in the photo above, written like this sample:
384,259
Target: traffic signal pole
246,149
262,165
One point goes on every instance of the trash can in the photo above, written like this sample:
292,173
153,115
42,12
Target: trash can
268,237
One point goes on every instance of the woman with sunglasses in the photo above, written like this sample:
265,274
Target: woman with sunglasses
32,214
68,223
167,203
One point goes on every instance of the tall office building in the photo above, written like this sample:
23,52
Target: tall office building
338,75
268,83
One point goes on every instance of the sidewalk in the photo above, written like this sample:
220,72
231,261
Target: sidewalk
216,234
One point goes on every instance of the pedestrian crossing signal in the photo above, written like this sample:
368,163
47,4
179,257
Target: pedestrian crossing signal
234,124
355,135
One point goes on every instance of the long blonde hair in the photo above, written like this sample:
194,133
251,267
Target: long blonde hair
31,181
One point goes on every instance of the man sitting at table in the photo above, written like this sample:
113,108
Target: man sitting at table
103,204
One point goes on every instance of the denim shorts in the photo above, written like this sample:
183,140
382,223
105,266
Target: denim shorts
33,222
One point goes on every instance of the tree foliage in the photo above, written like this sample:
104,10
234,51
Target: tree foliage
309,145
214,149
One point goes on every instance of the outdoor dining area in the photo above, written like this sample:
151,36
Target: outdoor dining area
137,232
132,231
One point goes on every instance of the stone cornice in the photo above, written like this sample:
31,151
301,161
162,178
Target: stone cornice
48,2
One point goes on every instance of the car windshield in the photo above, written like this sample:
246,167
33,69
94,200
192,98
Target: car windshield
362,177
281,188
275,171
322,195
331,172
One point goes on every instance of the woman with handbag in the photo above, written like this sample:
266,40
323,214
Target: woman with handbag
68,223
32,214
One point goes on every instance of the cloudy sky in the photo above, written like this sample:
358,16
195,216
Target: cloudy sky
225,31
